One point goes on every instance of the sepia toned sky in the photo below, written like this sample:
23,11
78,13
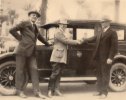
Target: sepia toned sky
72,9
90,9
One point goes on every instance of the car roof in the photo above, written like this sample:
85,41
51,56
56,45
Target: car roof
81,24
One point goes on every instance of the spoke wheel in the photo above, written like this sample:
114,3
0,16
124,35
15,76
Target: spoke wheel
7,78
7,75
118,77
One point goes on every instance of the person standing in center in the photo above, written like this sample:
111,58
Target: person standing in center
25,53
59,58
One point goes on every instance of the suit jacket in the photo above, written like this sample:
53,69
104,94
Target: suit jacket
27,38
59,53
106,45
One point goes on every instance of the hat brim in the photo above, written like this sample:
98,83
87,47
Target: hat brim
34,12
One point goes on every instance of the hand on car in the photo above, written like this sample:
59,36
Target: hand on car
50,43
78,42
81,41
109,61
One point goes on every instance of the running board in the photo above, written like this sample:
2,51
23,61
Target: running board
71,79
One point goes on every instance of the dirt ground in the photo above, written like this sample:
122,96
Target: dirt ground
71,91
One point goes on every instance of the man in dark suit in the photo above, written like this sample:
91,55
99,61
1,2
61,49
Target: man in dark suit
106,48
59,57
25,52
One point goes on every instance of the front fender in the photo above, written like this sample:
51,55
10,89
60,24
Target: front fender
7,56
120,58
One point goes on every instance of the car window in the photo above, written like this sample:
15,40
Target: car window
120,34
51,33
69,33
85,33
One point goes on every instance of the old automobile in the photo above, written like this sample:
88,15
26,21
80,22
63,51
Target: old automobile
79,64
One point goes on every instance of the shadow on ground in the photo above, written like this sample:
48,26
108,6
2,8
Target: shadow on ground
66,88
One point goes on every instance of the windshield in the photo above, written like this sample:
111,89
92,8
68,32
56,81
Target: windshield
120,34
85,33
52,31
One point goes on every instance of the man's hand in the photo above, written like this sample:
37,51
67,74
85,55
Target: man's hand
50,43
81,41
78,42
109,61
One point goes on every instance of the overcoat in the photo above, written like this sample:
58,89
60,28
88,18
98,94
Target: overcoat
106,45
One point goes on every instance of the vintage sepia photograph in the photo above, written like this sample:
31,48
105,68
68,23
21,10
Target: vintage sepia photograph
62,49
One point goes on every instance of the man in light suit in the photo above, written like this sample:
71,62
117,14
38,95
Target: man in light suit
106,48
59,57
25,53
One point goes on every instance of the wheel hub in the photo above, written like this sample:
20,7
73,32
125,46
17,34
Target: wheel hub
11,78
119,77
7,76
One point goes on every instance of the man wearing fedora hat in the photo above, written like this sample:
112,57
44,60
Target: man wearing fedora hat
59,58
106,48
25,53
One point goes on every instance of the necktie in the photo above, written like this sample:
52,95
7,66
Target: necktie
35,29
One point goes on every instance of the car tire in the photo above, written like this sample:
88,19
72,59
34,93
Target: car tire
118,77
7,78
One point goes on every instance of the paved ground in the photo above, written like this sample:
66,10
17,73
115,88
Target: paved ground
71,91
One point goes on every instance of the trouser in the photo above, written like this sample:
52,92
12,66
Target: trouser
21,62
55,77
103,77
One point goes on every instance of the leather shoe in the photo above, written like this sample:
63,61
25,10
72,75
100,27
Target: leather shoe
103,96
50,95
58,93
39,95
22,95
97,94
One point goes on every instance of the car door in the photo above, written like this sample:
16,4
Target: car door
80,57
44,54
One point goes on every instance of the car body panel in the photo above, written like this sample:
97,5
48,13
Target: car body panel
79,58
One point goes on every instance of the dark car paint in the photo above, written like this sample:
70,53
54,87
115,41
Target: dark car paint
77,65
